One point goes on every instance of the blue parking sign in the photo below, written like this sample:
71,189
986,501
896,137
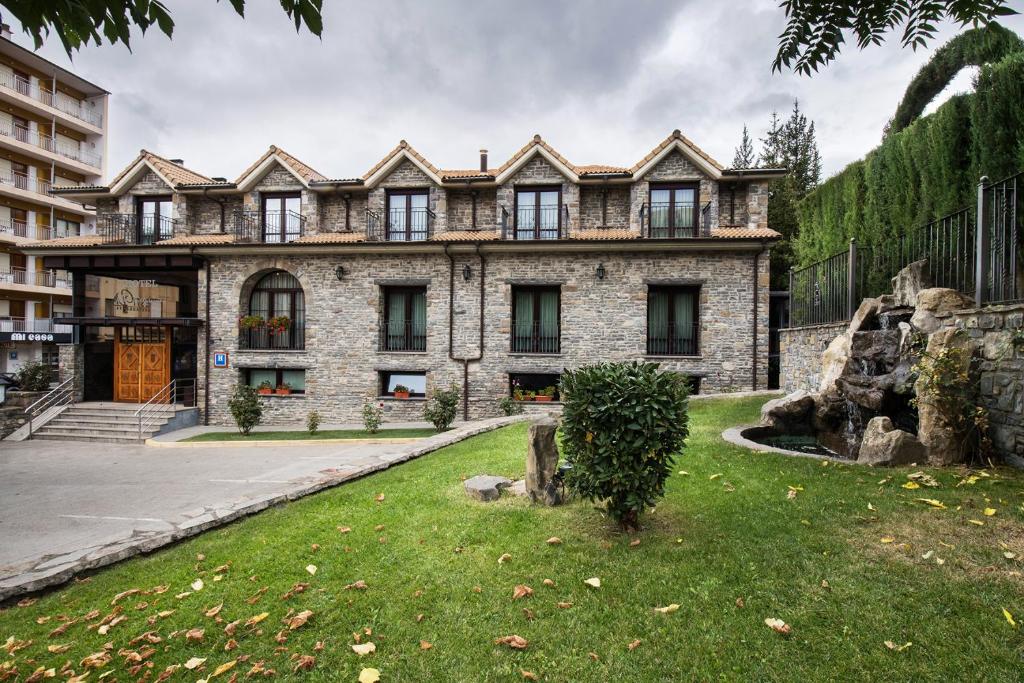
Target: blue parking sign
220,360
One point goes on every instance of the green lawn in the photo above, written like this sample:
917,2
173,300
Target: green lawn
408,433
725,531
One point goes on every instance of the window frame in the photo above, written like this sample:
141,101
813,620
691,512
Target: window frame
407,192
671,226
156,200
537,190
514,376
674,290
279,378
296,339
385,318
282,232
535,337
384,379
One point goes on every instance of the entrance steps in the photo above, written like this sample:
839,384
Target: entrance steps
107,422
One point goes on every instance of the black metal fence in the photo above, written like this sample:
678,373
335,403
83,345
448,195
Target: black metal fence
130,228
270,227
414,224
984,264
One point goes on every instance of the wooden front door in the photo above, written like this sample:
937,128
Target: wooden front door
142,363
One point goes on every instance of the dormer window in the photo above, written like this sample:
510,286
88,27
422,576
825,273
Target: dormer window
409,215
538,213
674,210
153,219
281,217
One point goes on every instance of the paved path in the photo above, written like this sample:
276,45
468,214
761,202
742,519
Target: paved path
68,506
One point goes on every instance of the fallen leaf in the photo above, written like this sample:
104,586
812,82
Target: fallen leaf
871,507
715,476
633,645
379,527
521,591
515,642
117,598
59,649
593,656
594,582
226,666
928,555
214,611
554,540
194,635
564,605
911,485
989,512
359,585
311,568
740,603
778,625
634,543
344,529
976,522
232,644
669,609
897,648
380,498
424,645
504,558
369,676
528,613
1009,555
934,503
1009,618
299,620
97,660
923,479
304,663
194,663
887,539
791,494
364,648
197,585
529,675
315,547
252,621
549,583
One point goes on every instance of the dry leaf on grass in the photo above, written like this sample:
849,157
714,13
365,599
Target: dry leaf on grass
304,663
549,583
299,620
369,676
529,675
669,609
897,648
634,543
564,605
934,503
740,603
59,649
252,621
1009,618
344,529
194,635
424,645
197,585
364,648
311,568
593,582
214,611
989,512
778,625
359,585
194,663
223,668
504,558
554,540
521,591
633,645
379,498
515,642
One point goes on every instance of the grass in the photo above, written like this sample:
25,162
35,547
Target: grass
298,435
725,531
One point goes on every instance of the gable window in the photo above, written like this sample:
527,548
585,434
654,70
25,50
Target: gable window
408,215
154,222
672,323
277,314
415,382
281,217
404,323
674,210
538,213
536,313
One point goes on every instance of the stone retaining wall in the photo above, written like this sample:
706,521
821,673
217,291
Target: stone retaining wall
800,350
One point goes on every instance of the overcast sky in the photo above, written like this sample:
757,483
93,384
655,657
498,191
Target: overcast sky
602,81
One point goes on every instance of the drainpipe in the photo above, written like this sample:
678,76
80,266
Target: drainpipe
206,195
451,323
206,337
753,358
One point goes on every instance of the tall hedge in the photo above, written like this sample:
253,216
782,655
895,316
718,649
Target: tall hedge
925,171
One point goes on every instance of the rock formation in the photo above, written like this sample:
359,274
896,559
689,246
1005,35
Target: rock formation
542,462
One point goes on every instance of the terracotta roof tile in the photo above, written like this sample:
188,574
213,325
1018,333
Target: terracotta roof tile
537,141
591,169
467,173
188,240
402,145
745,233
304,171
605,234
73,241
465,236
176,174
676,135
332,238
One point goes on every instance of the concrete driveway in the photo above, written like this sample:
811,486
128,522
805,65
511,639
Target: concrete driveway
68,506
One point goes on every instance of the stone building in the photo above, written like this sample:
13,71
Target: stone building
340,290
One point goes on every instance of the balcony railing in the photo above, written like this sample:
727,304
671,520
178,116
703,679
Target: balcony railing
26,182
130,228
661,220
65,103
20,228
270,227
40,278
534,224
400,225
535,337
50,144
406,336
673,339
38,325
265,338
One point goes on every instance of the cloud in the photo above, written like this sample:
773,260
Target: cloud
602,81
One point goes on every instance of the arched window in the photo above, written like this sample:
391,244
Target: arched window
277,314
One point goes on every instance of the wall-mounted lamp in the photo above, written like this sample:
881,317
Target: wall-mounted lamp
339,272
600,272
467,272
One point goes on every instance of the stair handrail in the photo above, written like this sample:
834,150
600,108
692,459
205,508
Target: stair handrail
60,395
167,395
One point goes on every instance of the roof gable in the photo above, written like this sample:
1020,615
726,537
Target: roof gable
529,151
169,172
677,141
275,156
402,152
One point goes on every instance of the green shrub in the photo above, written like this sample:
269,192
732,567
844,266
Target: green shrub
313,421
510,406
373,415
622,425
34,376
442,407
246,408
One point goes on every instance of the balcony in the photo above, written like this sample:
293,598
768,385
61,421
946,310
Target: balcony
17,228
57,100
546,223
264,338
403,336
535,337
40,278
660,220
49,144
269,227
673,339
130,228
44,325
400,225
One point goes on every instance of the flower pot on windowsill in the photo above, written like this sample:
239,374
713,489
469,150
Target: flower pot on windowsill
265,392
542,399
282,392
402,395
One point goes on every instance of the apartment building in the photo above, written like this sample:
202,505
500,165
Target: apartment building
52,132
336,291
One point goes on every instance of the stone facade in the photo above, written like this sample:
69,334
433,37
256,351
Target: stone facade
800,350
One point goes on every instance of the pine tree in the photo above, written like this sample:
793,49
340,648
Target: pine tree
745,156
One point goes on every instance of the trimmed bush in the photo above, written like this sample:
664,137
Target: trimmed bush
622,426
509,406
373,415
442,407
34,376
246,408
313,421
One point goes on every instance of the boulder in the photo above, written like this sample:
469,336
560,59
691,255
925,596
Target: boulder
835,361
867,392
790,414
883,444
864,317
486,487
935,302
875,352
945,446
909,282
542,462
830,411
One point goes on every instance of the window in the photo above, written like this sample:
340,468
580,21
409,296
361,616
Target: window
282,217
538,213
415,382
295,379
66,228
277,314
19,174
674,210
519,383
404,323
535,319
672,324
408,215
154,220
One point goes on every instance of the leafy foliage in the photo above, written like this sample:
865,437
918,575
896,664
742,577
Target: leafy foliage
246,408
815,28
510,406
621,427
80,22
373,415
34,376
442,407
313,421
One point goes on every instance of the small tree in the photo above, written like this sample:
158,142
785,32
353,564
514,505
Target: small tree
621,426
373,415
510,406
442,407
313,420
34,376
246,408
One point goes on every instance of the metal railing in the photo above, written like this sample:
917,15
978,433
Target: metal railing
264,338
35,231
407,336
36,325
130,228
177,391
58,100
61,395
50,144
40,278
535,337
269,227
673,339
400,225
29,183
545,223
660,220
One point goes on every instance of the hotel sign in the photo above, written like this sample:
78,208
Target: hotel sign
48,337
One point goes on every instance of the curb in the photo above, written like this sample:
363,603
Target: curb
279,442
734,435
